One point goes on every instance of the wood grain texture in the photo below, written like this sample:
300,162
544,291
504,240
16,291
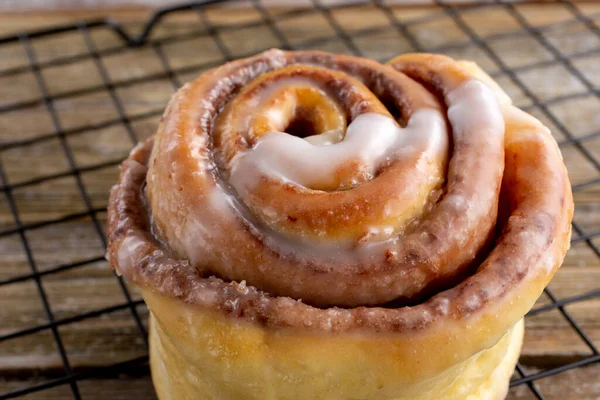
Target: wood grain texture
16,6
114,337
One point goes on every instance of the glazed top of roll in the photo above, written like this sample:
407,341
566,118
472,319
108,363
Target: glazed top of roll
334,193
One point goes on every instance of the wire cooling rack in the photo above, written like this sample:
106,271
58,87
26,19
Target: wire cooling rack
343,39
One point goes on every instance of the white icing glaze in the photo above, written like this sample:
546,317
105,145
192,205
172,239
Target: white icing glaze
370,140
326,138
127,253
509,111
473,106
503,98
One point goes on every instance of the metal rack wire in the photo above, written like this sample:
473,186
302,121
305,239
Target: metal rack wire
271,22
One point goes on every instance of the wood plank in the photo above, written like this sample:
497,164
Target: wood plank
117,6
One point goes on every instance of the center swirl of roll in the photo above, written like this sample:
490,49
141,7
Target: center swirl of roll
330,179
350,171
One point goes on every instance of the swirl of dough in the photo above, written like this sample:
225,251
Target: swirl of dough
365,200
307,225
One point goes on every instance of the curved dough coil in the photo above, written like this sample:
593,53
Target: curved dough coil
410,213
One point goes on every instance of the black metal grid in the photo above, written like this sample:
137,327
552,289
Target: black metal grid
271,21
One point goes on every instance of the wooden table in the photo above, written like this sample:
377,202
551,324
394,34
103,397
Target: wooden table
113,337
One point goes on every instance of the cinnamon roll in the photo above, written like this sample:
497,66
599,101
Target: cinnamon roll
307,225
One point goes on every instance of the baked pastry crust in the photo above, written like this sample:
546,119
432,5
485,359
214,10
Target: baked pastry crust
210,357
431,310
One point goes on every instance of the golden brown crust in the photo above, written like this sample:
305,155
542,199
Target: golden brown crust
154,267
471,259
535,193
191,351
435,253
